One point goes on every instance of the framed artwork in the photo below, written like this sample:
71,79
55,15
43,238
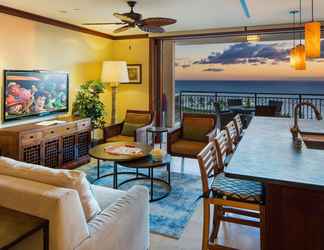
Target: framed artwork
134,73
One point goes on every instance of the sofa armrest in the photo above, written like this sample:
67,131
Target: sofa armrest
127,217
60,206
174,135
112,130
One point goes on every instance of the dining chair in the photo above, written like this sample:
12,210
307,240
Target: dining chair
226,196
232,135
278,105
239,126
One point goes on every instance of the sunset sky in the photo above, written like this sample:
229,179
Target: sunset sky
243,61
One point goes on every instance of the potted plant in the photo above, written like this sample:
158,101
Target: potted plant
88,104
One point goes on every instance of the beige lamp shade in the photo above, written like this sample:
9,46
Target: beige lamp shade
313,39
114,72
300,57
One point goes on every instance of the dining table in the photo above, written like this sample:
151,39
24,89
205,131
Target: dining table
293,181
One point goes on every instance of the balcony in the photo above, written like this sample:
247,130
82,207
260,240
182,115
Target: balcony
204,102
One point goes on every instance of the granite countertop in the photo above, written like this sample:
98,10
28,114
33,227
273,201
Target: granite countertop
266,153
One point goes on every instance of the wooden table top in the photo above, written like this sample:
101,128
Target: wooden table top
98,152
147,162
16,225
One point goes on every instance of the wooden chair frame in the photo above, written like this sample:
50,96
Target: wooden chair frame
211,162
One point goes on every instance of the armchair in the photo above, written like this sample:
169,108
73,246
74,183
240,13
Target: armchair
131,129
196,131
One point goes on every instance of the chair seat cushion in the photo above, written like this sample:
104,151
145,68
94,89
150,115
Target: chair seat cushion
236,189
118,138
129,129
187,148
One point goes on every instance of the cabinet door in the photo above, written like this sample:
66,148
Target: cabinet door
32,154
52,153
84,139
68,148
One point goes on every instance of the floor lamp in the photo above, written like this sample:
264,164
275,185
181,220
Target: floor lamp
114,72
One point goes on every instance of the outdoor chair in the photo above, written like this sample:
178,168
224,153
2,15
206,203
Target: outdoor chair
278,105
232,135
234,102
227,196
265,111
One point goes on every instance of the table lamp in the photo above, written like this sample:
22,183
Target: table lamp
114,72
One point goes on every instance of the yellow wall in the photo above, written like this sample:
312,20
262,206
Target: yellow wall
132,96
27,45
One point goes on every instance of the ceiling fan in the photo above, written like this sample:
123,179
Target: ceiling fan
132,19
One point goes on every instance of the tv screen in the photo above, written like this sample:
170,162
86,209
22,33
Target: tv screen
34,93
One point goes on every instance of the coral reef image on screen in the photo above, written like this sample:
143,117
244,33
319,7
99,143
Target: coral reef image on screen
35,93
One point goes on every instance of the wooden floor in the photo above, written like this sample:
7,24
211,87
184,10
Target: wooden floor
231,235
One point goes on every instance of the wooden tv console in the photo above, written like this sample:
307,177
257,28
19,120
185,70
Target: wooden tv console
63,145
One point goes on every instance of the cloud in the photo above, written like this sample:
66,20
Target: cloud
213,70
243,53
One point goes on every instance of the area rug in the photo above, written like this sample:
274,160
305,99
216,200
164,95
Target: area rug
170,215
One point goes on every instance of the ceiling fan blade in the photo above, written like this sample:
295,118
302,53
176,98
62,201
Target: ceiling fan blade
103,23
151,29
124,18
158,21
122,29
245,8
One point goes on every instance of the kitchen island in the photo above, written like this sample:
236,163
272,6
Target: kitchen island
293,179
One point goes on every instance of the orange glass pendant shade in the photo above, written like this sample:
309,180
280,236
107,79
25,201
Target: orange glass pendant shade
313,39
293,57
300,57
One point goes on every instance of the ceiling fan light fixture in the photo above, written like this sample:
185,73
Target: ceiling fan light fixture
253,38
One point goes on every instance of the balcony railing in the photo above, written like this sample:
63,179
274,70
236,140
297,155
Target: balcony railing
203,102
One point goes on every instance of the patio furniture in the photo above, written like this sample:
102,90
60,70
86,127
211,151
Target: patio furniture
232,135
278,105
226,195
234,102
223,116
195,132
133,128
156,132
264,110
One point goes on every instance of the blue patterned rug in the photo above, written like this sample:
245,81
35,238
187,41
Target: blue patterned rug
170,215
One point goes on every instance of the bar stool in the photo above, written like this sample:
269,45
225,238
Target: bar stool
226,195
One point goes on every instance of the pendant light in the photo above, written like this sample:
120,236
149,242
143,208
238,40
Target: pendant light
313,37
300,52
293,50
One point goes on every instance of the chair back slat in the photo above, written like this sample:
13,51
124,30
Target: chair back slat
238,124
222,144
233,136
207,159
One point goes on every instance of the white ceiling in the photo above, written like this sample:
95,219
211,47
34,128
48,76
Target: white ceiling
191,14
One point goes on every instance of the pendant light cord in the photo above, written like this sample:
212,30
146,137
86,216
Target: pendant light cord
300,21
312,10
294,27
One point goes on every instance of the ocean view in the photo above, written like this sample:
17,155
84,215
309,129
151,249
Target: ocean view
286,87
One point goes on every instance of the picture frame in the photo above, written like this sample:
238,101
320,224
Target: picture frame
134,73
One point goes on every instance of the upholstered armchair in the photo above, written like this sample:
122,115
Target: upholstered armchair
194,134
131,129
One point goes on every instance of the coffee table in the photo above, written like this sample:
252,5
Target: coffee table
98,153
150,164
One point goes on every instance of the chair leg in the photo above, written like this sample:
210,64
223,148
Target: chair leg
206,221
218,214
262,228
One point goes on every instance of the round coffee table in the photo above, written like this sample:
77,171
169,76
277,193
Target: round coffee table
150,164
98,153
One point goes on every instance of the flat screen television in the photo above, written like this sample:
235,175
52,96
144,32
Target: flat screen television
34,93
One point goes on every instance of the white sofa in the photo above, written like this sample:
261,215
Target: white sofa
123,223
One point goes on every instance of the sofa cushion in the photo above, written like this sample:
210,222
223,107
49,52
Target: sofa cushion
119,138
187,148
71,179
129,129
197,128
106,196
